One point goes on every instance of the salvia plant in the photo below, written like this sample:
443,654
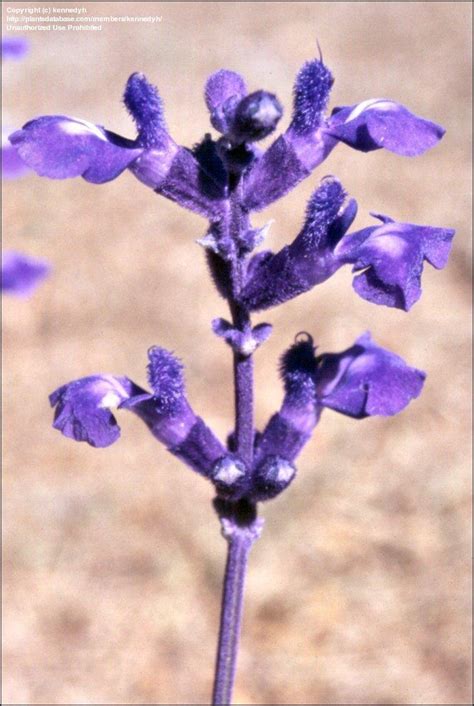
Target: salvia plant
225,179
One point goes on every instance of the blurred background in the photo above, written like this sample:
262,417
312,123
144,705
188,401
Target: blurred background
359,589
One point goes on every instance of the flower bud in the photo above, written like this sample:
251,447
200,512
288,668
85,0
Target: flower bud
256,116
273,476
229,475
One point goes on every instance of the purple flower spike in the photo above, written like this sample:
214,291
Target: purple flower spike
60,147
21,273
366,380
390,260
83,408
309,260
378,122
289,430
14,47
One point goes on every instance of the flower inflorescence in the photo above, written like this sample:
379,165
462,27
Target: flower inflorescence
225,179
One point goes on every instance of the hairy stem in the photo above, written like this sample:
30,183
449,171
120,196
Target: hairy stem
241,528
243,392
243,364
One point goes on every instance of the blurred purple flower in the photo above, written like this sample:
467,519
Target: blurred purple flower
13,166
14,47
21,273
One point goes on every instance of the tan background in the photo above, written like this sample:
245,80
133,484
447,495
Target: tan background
358,591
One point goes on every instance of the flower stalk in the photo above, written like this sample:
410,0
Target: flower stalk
241,528
225,179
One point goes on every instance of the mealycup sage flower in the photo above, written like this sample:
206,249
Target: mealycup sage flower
22,273
225,178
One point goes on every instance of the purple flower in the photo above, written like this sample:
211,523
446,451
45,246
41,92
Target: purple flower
367,126
83,408
379,122
14,47
362,381
12,166
83,411
21,273
366,380
387,259
60,147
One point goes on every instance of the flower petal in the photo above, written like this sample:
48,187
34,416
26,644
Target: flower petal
83,408
224,89
22,273
12,166
378,122
391,257
169,417
366,380
179,175
60,147
221,85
